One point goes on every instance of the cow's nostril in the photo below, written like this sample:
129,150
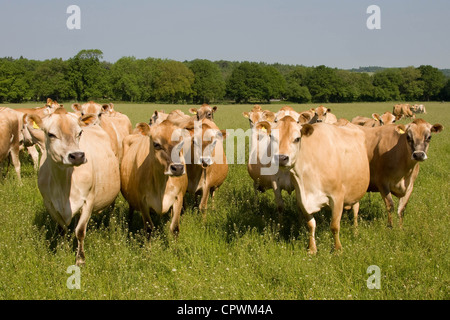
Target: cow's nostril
76,158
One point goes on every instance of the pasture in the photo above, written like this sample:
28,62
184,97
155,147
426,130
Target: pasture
242,250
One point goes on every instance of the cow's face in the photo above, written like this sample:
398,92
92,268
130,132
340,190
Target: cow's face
62,136
253,117
320,113
89,108
204,142
418,137
157,117
387,118
285,138
204,112
166,143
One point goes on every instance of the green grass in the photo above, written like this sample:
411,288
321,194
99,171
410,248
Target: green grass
241,251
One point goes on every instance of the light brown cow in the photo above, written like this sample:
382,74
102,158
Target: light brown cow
79,171
375,121
395,152
153,173
157,117
204,112
207,168
10,138
329,167
402,110
116,124
418,108
179,118
322,114
257,114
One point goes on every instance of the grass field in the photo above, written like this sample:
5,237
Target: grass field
241,251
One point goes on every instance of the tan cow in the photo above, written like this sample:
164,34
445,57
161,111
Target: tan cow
257,114
79,171
10,138
418,108
153,173
207,168
322,114
402,110
329,167
204,112
375,121
179,118
395,152
157,117
116,124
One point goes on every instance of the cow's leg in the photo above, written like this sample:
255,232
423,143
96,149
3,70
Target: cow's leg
35,156
403,201
212,193
389,202
80,232
204,202
176,209
336,214
355,209
16,162
311,222
278,198
148,223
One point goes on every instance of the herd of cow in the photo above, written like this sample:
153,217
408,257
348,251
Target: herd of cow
93,153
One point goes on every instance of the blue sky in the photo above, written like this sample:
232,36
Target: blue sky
329,32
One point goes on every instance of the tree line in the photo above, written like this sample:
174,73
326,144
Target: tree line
87,77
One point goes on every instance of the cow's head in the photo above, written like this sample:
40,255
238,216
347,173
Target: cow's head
257,115
90,107
385,118
166,144
320,113
286,136
205,136
204,112
418,135
62,136
157,117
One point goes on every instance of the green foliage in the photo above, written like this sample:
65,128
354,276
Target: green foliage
209,85
433,81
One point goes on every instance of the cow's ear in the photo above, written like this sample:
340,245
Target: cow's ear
264,126
223,133
307,130
106,108
401,129
214,108
76,107
437,128
143,128
88,119
376,117
246,115
33,120
328,110
193,110
304,117
49,101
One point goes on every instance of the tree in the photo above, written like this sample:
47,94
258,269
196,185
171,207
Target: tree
433,81
51,81
208,83
275,83
247,83
411,87
387,84
324,84
172,82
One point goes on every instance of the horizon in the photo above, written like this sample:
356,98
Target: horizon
335,34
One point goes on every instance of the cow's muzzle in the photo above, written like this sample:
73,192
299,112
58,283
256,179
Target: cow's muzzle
77,158
176,169
282,159
419,156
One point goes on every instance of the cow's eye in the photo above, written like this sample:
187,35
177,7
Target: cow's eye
408,138
79,134
157,146
297,140
51,136
429,138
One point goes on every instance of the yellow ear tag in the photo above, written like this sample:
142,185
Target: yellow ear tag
375,119
195,112
35,126
264,129
400,131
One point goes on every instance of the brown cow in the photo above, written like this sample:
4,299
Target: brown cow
322,114
402,110
153,173
257,114
207,168
157,117
375,121
10,138
204,112
328,166
395,152
78,171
